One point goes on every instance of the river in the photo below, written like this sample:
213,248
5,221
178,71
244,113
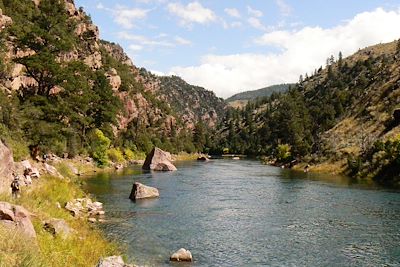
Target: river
244,213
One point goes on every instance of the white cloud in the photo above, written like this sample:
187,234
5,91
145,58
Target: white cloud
236,24
144,41
135,47
254,12
126,17
233,12
123,16
256,23
193,12
285,9
182,41
162,40
301,51
100,6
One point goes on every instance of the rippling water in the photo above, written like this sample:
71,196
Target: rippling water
243,213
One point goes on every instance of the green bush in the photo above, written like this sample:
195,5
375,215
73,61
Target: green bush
99,144
115,155
283,152
133,155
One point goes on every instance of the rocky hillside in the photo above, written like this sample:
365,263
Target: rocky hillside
59,82
344,114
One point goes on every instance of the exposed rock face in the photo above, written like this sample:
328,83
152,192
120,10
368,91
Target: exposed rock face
52,170
16,217
113,261
4,20
6,166
58,227
114,79
141,191
182,255
158,160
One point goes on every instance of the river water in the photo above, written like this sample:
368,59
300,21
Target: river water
243,213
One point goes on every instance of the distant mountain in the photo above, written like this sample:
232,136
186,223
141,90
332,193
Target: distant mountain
263,92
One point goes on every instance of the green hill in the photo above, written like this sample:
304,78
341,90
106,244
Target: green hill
263,92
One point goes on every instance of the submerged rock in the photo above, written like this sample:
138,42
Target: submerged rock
141,191
16,217
158,160
181,255
202,158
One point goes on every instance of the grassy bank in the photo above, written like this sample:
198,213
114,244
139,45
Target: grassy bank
83,248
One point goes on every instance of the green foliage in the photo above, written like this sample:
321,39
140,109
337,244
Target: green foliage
115,155
83,248
133,155
381,162
283,152
99,145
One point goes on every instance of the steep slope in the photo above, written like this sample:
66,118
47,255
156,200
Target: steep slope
57,74
263,92
340,114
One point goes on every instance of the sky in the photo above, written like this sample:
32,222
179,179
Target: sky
232,46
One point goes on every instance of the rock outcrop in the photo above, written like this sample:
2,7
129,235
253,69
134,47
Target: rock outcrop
182,255
4,20
16,217
114,79
158,160
141,191
81,207
6,166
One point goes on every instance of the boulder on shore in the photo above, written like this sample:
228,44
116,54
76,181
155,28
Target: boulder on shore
16,217
158,160
6,166
58,227
181,255
141,191
113,261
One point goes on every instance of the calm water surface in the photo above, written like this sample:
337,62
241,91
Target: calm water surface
243,213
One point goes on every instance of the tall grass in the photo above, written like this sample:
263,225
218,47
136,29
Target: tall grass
83,248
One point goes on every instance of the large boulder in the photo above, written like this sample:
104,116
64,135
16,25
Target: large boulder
16,217
158,160
58,227
141,191
112,261
182,255
6,166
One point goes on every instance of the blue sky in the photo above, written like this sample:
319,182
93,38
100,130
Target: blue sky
231,46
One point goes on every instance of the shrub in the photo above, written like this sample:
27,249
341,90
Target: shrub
133,155
115,155
99,143
283,152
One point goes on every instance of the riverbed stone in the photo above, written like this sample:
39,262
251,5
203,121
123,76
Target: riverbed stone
141,191
182,255
158,160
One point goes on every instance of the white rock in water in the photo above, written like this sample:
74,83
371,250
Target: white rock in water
181,255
